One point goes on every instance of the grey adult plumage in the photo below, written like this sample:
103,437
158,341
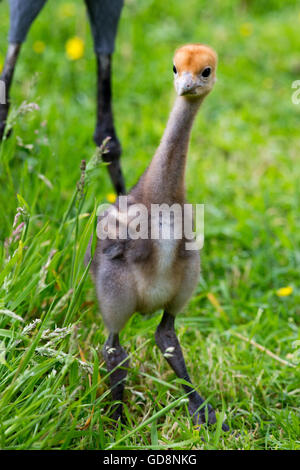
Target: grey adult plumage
103,15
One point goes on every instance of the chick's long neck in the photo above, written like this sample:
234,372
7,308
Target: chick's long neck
164,179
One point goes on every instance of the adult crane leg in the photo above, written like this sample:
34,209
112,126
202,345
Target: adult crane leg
22,14
104,18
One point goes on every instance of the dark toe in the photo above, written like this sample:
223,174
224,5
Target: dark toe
202,417
212,417
225,427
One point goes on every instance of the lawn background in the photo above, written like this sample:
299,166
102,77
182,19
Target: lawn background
243,165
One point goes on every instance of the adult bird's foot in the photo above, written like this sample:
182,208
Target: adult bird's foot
112,156
113,146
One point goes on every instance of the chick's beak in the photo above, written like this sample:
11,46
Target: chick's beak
187,84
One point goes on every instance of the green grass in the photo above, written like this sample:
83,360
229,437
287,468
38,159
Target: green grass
243,164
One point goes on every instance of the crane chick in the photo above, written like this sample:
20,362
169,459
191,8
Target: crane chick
145,274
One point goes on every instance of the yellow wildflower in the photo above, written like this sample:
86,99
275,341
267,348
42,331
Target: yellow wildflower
39,47
1,67
111,197
246,29
74,48
67,10
284,291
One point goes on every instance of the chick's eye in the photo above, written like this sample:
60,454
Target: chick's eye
174,69
206,72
